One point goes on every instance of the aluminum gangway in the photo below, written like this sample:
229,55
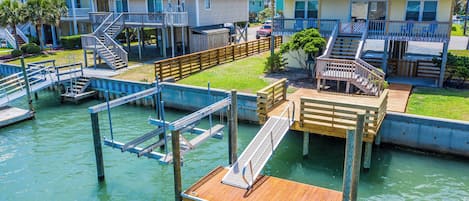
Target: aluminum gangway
39,76
246,169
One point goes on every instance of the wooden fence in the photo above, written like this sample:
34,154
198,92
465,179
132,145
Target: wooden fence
334,118
270,97
183,66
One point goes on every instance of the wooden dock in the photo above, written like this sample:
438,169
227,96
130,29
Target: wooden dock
266,188
11,115
398,97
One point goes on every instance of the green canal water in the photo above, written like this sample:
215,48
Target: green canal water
52,158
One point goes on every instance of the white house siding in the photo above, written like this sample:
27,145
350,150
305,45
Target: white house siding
138,6
223,11
190,8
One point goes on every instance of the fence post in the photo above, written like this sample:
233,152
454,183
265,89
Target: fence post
180,68
233,50
247,48
161,72
285,86
200,61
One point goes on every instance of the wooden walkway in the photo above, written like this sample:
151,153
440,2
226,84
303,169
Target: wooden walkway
398,97
11,115
266,188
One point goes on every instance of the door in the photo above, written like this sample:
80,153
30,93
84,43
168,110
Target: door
122,6
363,11
155,6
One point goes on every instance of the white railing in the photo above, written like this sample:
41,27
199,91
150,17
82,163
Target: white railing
22,35
93,43
119,20
432,31
259,157
331,41
288,26
16,82
176,18
8,37
361,45
115,48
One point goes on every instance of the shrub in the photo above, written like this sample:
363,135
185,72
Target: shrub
33,39
274,63
71,42
30,48
16,53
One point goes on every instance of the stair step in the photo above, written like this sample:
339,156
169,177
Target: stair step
342,57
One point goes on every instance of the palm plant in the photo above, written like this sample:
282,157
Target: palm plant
11,14
41,12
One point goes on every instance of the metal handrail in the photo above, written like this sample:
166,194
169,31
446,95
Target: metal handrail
249,161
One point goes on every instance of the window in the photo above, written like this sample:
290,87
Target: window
306,10
300,9
429,10
154,6
312,9
421,10
413,10
208,4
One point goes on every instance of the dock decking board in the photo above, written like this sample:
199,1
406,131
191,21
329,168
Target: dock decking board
266,188
398,97
11,115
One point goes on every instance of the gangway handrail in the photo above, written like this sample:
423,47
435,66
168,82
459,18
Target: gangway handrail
249,161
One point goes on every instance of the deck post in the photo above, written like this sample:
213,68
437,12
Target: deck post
385,57
85,57
348,165
357,155
368,151
444,60
173,54
318,84
98,150
139,45
347,87
94,58
26,83
233,129
183,29
305,144
164,35
176,165
127,39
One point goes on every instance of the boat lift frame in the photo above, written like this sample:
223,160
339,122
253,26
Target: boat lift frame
187,123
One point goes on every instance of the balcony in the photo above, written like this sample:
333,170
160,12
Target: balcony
409,30
177,19
80,13
287,27
377,29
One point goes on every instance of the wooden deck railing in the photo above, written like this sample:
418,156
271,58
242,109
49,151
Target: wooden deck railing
334,118
409,30
270,97
183,66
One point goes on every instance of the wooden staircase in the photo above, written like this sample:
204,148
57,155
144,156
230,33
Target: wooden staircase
345,47
341,62
78,90
19,40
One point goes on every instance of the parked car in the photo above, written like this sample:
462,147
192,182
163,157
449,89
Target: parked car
264,31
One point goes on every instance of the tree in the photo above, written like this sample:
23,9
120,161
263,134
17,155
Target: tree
11,14
309,41
41,12
265,14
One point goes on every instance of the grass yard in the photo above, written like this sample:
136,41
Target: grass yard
464,53
443,103
143,73
5,51
457,30
245,75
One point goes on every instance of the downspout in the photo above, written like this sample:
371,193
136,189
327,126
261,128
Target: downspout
197,11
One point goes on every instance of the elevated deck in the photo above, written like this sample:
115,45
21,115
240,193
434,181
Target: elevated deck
12,115
266,188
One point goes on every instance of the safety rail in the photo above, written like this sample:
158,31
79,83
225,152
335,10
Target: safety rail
9,37
432,31
347,70
361,45
93,43
99,17
331,41
115,48
68,69
157,18
261,154
333,118
119,20
79,12
183,66
22,35
270,97
289,26
176,18
16,82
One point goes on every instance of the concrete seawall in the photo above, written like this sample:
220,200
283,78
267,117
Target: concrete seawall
427,133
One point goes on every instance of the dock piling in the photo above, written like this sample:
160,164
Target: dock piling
176,165
353,151
26,83
368,150
233,129
98,150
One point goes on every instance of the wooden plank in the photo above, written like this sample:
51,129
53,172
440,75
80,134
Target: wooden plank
123,100
210,188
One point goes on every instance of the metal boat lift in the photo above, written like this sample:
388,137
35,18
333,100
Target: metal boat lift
167,131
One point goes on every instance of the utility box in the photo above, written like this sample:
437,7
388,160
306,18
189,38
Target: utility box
209,39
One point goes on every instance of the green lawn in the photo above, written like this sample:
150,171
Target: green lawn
444,103
143,73
457,30
5,51
464,53
245,75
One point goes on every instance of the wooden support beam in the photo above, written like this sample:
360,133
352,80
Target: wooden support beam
233,129
305,144
353,159
26,83
176,165
123,100
98,150
444,60
385,57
